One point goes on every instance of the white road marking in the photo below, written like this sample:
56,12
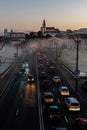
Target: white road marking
17,112
53,89
58,100
66,119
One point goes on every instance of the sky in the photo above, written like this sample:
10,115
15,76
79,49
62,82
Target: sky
28,15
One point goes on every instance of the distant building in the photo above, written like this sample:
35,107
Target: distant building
5,32
48,30
14,35
81,31
17,35
11,31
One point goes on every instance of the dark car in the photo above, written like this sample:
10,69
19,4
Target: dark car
46,83
81,123
84,85
47,98
22,72
30,78
52,69
53,112
48,64
43,74
40,66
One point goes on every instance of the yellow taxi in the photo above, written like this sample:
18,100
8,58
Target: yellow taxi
64,91
48,98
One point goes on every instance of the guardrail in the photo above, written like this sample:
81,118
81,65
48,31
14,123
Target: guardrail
6,70
13,67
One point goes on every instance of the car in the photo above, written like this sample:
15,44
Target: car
39,53
25,65
52,69
84,85
46,83
58,128
40,66
81,123
56,79
43,74
48,64
64,91
22,71
53,112
39,59
47,98
30,78
72,104
46,59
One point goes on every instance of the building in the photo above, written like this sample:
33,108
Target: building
49,30
14,35
17,35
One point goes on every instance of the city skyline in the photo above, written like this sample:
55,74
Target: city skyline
21,15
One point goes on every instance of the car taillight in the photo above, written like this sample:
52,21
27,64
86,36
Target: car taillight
51,116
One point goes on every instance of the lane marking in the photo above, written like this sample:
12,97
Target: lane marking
53,89
17,112
58,100
66,119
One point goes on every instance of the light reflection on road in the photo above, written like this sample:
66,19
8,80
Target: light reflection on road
29,95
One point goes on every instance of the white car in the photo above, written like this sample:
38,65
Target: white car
56,79
72,104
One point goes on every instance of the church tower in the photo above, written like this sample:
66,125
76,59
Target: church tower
43,28
44,24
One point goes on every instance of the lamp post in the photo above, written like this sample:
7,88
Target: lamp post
77,71
56,45
78,41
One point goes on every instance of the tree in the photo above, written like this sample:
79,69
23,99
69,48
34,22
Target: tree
69,31
32,35
27,36
39,34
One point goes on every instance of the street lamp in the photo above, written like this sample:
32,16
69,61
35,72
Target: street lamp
78,41
56,45
77,71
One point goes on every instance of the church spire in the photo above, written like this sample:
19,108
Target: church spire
44,24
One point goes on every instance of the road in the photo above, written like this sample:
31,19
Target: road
19,106
67,118
71,78
19,109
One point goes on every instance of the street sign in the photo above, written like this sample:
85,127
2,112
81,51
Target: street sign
77,72
77,77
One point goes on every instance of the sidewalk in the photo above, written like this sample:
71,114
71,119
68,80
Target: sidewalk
4,66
